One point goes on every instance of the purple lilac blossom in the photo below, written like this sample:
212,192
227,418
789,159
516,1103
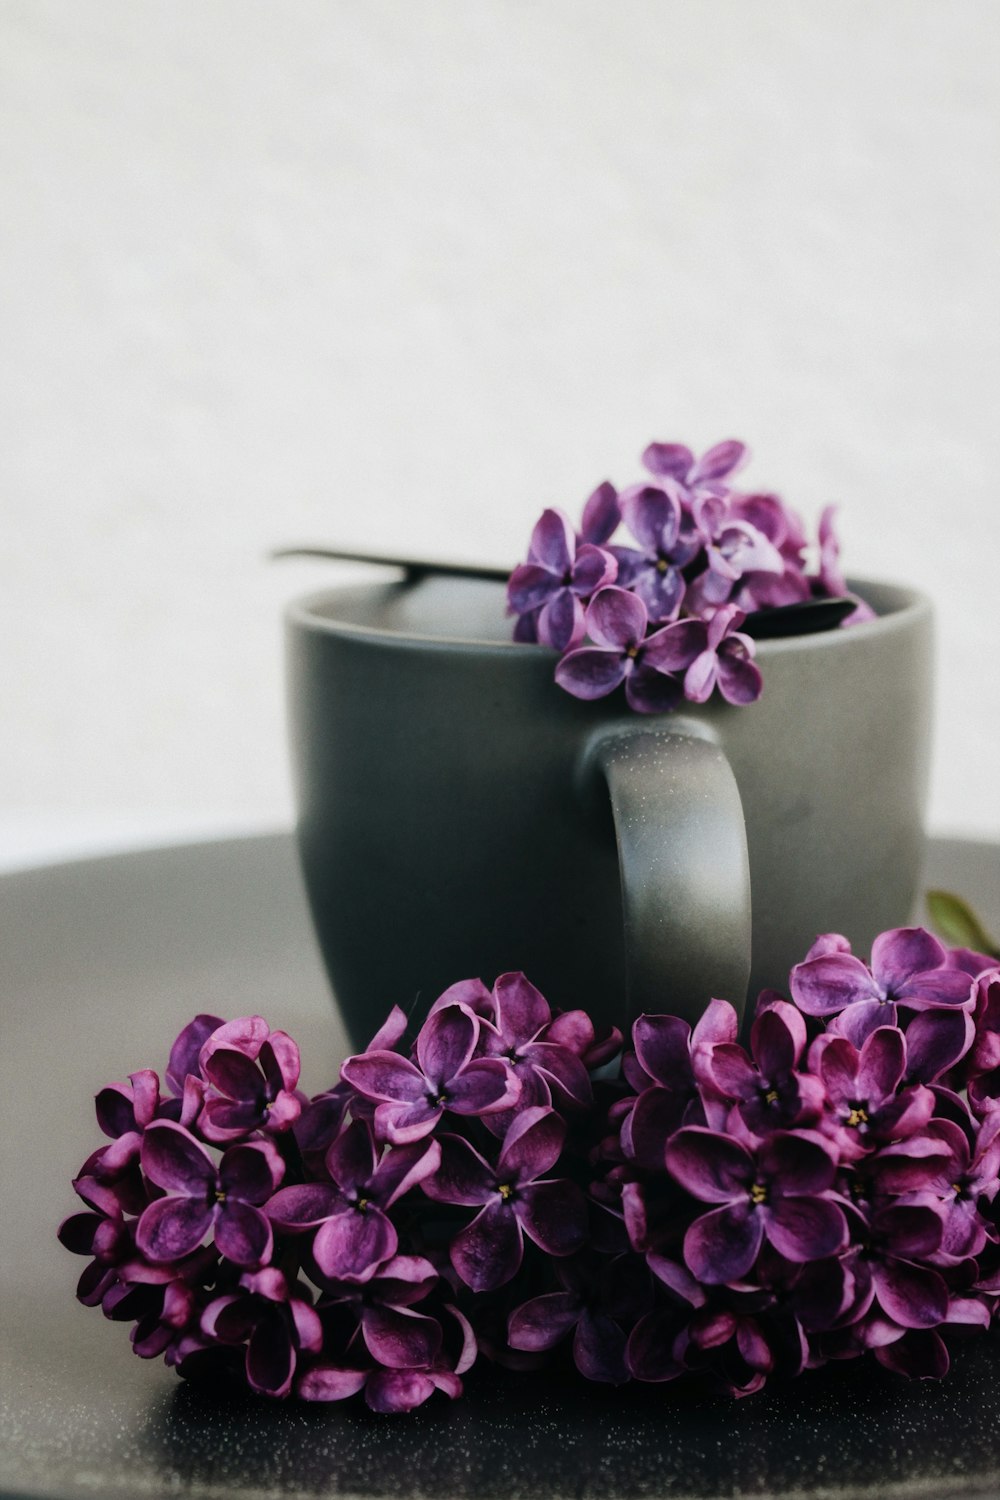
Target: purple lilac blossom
709,1212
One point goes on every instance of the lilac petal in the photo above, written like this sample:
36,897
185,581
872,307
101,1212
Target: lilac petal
553,542
172,1227
526,628
662,592
590,672
488,1252
719,462
521,1009
719,1023
913,1231
722,1245
304,1206
778,1038
543,1321
700,677
251,1172
406,1279
243,1234
753,1346
390,1032
859,1020
349,1246
402,1169
561,621
881,1063
445,1043
486,1085
279,1057
592,570
653,515
655,1116
661,1045
115,1110
919,1355
562,1068
599,1349
804,1229
935,987
472,993
234,1074
270,1362
223,1120
740,680
529,587
554,1215
732,1072
399,1390
650,1351
601,515
674,647
463,1176
904,951
401,1339
913,1296
352,1157
385,1076
400,1124
712,1167
77,1232
246,1034
531,1146
795,1163
671,459
174,1160
935,1041
186,1050
330,1383
616,619
828,983
650,692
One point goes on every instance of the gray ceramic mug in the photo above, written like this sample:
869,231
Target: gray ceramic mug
460,815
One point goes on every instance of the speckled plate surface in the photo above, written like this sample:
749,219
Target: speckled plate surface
101,963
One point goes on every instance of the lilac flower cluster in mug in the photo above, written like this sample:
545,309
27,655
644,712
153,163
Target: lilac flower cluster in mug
663,616
503,1188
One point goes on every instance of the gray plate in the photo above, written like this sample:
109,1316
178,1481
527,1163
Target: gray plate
101,963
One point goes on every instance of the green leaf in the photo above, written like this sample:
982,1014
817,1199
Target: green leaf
955,921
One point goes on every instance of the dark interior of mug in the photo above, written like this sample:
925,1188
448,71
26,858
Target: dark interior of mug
474,610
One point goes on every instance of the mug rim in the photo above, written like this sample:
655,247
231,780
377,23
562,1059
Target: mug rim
303,614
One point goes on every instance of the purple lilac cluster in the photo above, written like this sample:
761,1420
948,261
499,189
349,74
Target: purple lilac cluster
714,1209
663,616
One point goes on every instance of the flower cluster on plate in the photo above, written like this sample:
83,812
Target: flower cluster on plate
505,1188
663,616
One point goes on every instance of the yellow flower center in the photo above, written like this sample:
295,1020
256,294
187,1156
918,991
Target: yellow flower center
758,1193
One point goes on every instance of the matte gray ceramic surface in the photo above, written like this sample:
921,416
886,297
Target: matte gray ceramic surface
101,964
461,815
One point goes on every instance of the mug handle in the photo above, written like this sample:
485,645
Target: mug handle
682,856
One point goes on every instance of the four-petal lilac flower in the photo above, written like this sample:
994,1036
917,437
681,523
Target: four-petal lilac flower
711,654
616,621
560,576
202,1196
779,1191
412,1096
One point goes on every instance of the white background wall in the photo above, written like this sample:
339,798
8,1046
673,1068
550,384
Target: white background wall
399,273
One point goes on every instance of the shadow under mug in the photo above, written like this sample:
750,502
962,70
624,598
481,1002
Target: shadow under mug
460,815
